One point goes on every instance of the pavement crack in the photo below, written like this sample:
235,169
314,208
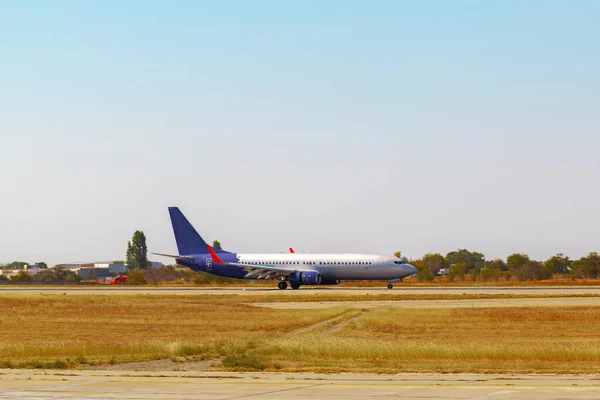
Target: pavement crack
273,391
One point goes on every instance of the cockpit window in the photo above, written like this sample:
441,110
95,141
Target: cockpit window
400,262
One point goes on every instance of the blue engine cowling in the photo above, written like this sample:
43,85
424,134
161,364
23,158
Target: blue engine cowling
305,278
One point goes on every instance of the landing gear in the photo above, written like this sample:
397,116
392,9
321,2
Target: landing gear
390,286
295,286
282,285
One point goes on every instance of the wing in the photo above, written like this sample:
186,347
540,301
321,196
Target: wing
254,271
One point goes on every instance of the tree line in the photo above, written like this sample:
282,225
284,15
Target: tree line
464,264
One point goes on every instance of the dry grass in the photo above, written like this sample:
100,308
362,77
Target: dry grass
102,329
66,331
466,340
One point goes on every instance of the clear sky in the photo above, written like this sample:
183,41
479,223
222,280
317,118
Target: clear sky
329,126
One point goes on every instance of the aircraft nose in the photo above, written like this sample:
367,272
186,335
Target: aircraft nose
412,268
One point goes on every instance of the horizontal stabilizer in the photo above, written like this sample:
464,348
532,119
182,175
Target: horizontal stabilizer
174,256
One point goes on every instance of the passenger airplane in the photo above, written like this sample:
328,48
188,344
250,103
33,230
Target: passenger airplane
297,269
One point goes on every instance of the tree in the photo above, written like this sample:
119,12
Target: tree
16,265
516,261
137,251
496,263
524,268
589,266
398,254
423,273
434,262
129,256
558,264
41,264
532,271
140,250
217,244
463,261
490,272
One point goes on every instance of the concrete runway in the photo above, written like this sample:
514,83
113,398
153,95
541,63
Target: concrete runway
327,290
466,303
38,384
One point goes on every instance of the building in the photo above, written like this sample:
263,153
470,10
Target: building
96,270
156,264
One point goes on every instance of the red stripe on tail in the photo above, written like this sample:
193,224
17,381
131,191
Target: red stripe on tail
214,255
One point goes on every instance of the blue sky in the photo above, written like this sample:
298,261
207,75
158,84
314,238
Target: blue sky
329,126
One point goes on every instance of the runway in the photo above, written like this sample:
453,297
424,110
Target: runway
36,384
466,303
326,290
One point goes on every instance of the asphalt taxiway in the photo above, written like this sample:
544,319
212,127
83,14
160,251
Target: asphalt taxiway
37,384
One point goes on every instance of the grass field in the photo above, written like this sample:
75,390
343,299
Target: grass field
62,331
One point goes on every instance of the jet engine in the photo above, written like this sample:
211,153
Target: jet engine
310,278
305,278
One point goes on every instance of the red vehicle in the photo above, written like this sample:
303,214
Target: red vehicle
119,280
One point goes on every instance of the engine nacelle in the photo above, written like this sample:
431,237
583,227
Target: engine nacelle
310,278
305,278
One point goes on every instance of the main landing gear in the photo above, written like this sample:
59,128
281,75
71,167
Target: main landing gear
390,286
283,285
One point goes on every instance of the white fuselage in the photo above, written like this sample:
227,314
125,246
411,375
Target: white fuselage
336,266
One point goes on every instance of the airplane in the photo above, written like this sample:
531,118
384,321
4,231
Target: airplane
297,269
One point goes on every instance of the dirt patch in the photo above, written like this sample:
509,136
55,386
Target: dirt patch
163,365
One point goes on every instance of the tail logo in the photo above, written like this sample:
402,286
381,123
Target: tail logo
209,264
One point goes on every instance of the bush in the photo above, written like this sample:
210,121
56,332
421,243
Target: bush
56,274
163,274
243,362
21,276
72,279
58,364
424,274
136,277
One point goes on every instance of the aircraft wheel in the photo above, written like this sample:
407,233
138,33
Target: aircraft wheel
390,286
295,286
282,285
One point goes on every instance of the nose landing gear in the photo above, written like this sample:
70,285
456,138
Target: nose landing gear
390,286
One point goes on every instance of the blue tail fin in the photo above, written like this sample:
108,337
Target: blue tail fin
187,238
